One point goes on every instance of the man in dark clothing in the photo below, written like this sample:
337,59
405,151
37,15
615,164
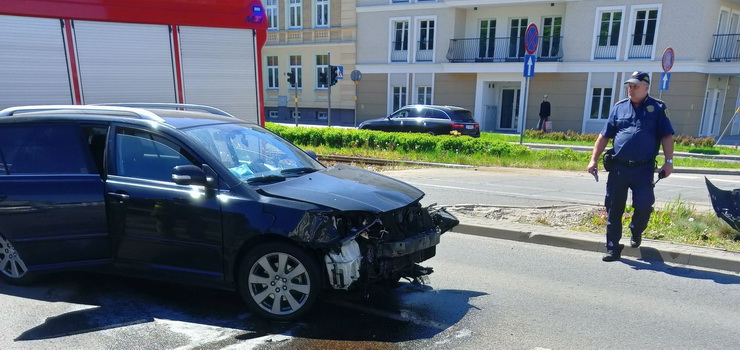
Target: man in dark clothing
638,125
544,113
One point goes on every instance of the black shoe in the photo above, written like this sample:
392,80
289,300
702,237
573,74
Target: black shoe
613,254
635,240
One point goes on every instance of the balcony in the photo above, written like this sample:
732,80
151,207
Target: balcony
606,47
726,48
311,35
504,49
641,47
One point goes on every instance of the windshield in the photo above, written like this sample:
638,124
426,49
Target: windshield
252,152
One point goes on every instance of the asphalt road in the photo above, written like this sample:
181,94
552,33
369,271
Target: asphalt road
485,294
534,188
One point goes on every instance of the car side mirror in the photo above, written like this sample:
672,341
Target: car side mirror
312,154
189,175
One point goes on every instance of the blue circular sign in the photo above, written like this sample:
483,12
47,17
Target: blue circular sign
668,57
531,38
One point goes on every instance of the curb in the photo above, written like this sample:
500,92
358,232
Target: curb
651,250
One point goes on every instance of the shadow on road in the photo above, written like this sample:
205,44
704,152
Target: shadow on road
104,302
653,261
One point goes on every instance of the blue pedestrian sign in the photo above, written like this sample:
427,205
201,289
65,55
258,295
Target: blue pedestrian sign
529,61
340,72
665,80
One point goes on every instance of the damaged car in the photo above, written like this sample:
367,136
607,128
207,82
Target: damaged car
191,194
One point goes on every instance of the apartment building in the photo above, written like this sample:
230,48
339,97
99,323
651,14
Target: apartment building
304,38
471,53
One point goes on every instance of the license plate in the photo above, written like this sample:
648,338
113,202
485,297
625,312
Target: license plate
469,127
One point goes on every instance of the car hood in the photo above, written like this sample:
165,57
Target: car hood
347,188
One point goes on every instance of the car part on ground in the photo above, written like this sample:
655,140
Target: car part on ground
726,204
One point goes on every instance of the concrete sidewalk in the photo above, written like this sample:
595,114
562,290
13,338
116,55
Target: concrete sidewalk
650,250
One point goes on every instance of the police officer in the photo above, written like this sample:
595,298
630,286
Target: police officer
638,125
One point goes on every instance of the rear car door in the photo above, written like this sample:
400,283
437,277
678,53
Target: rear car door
52,207
158,225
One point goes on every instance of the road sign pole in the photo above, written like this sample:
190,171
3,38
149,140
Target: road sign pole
328,83
523,112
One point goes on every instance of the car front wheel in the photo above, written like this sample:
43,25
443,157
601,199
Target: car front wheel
13,269
279,281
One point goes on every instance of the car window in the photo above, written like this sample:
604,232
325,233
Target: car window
250,151
437,114
462,116
43,149
416,112
148,156
400,114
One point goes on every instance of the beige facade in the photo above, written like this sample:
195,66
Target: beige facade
305,37
586,50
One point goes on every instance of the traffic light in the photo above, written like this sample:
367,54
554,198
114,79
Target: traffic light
322,79
334,70
291,79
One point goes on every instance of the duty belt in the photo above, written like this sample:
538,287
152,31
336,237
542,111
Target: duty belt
632,163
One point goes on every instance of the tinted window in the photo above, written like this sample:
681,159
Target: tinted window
463,116
148,156
437,114
42,149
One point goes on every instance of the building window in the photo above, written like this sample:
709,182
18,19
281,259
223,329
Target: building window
601,102
424,95
399,97
321,116
295,13
272,114
272,72
516,37
425,53
643,37
487,39
322,71
295,68
608,38
322,13
295,115
551,28
400,42
271,9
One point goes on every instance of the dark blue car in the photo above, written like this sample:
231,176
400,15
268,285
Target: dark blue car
167,192
429,119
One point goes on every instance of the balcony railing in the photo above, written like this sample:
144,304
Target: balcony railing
606,47
424,51
400,51
640,47
505,49
726,48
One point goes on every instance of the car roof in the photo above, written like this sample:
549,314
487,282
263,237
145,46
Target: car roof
451,108
143,114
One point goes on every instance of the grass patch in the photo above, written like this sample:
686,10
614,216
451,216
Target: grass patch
677,222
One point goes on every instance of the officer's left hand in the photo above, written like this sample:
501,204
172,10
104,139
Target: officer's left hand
667,168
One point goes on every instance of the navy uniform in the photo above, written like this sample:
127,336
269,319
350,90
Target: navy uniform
636,134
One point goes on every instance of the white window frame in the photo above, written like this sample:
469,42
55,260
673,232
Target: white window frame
272,114
425,96
402,92
597,28
321,7
271,10
295,114
322,68
601,106
297,70
392,37
633,24
273,72
418,32
294,14
322,115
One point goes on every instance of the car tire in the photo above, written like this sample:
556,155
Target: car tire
279,281
12,268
